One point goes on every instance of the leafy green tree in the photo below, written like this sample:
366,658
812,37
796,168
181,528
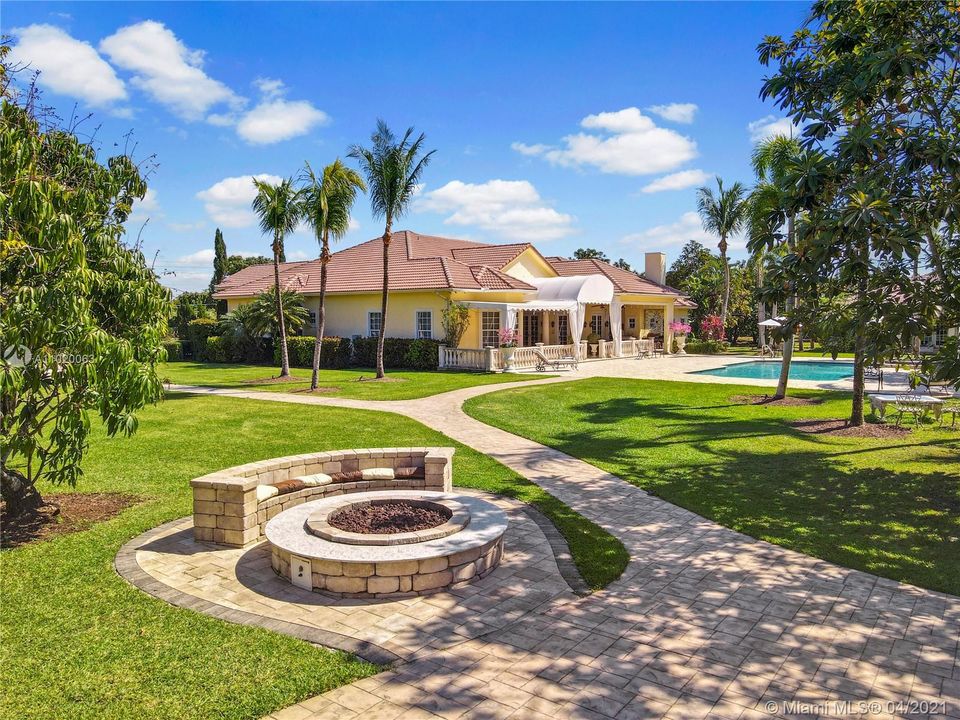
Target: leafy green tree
454,318
261,319
189,306
280,211
770,212
219,260
244,327
82,315
236,263
623,265
723,215
590,254
393,170
327,202
877,184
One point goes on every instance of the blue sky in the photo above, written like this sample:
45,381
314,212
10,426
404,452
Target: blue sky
566,125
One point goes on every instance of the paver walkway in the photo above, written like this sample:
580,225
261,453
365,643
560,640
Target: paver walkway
704,622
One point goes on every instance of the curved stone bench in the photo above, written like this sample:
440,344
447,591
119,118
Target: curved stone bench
225,506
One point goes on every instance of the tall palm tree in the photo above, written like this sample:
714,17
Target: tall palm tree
772,159
279,209
327,201
393,170
723,215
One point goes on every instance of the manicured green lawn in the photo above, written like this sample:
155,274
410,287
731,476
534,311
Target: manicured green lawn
401,384
889,506
79,642
815,353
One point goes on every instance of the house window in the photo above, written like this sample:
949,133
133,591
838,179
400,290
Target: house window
374,323
632,323
424,324
562,329
596,324
490,329
940,336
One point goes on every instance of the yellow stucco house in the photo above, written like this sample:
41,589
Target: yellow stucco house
550,301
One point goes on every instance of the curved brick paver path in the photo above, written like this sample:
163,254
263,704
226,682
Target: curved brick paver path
704,622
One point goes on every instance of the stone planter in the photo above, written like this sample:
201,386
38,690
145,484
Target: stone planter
507,354
681,341
594,349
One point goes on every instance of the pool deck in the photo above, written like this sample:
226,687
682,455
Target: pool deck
684,368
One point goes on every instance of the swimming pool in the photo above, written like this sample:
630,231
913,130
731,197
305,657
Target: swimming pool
770,370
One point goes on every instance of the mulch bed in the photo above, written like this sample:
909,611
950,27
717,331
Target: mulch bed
387,518
842,428
276,380
768,400
64,513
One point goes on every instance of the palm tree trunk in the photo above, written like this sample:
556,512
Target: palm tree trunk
726,280
284,358
321,311
856,413
788,340
383,303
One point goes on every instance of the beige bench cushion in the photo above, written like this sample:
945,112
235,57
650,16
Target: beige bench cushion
265,492
378,474
315,480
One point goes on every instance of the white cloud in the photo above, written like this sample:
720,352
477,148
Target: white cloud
275,120
189,280
625,142
270,87
676,181
769,126
298,255
67,66
145,209
352,225
187,227
525,149
509,208
228,202
201,258
167,70
675,112
688,227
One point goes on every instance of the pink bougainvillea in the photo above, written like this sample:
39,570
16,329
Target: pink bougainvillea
508,337
711,328
680,327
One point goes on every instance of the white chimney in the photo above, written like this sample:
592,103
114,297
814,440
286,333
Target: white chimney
655,267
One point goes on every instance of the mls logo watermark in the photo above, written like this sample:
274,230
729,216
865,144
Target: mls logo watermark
17,355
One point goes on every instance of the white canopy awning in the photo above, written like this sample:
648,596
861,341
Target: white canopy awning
576,288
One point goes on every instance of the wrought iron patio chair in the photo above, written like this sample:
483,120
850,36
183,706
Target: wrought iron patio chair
910,405
952,406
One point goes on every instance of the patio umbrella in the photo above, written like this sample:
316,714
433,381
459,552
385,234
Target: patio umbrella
771,323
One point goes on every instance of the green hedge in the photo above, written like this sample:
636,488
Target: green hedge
397,353
335,353
174,349
706,347
197,333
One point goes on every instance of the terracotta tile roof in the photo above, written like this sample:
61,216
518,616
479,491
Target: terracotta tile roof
417,262
623,281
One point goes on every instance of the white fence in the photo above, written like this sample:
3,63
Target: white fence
463,358
491,359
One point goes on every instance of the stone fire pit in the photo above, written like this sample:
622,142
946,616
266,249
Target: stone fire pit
465,545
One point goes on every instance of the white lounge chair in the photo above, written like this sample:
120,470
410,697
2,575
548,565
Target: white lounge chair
543,362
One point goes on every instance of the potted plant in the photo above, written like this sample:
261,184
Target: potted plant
680,329
508,346
593,341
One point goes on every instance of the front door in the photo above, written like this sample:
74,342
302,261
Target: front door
531,328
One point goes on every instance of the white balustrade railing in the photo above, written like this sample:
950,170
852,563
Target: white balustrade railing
491,359
463,358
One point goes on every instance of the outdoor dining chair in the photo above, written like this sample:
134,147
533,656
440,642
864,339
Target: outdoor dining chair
952,406
909,405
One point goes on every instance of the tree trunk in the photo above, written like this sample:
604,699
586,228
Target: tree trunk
761,307
383,303
788,340
284,358
856,414
726,281
321,311
19,493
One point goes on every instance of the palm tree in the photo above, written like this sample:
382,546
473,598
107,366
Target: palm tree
262,318
278,207
723,215
327,202
772,159
393,170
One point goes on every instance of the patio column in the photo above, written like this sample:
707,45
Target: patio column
667,332
544,327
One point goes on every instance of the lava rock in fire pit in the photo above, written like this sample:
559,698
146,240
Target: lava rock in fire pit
388,518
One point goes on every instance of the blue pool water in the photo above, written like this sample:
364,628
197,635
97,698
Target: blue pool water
821,370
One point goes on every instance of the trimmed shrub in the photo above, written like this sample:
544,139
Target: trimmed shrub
174,350
224,349
706,347
397,353
335,353
197,333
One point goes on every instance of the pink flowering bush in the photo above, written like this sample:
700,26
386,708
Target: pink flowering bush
508,337
711,328
680,327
